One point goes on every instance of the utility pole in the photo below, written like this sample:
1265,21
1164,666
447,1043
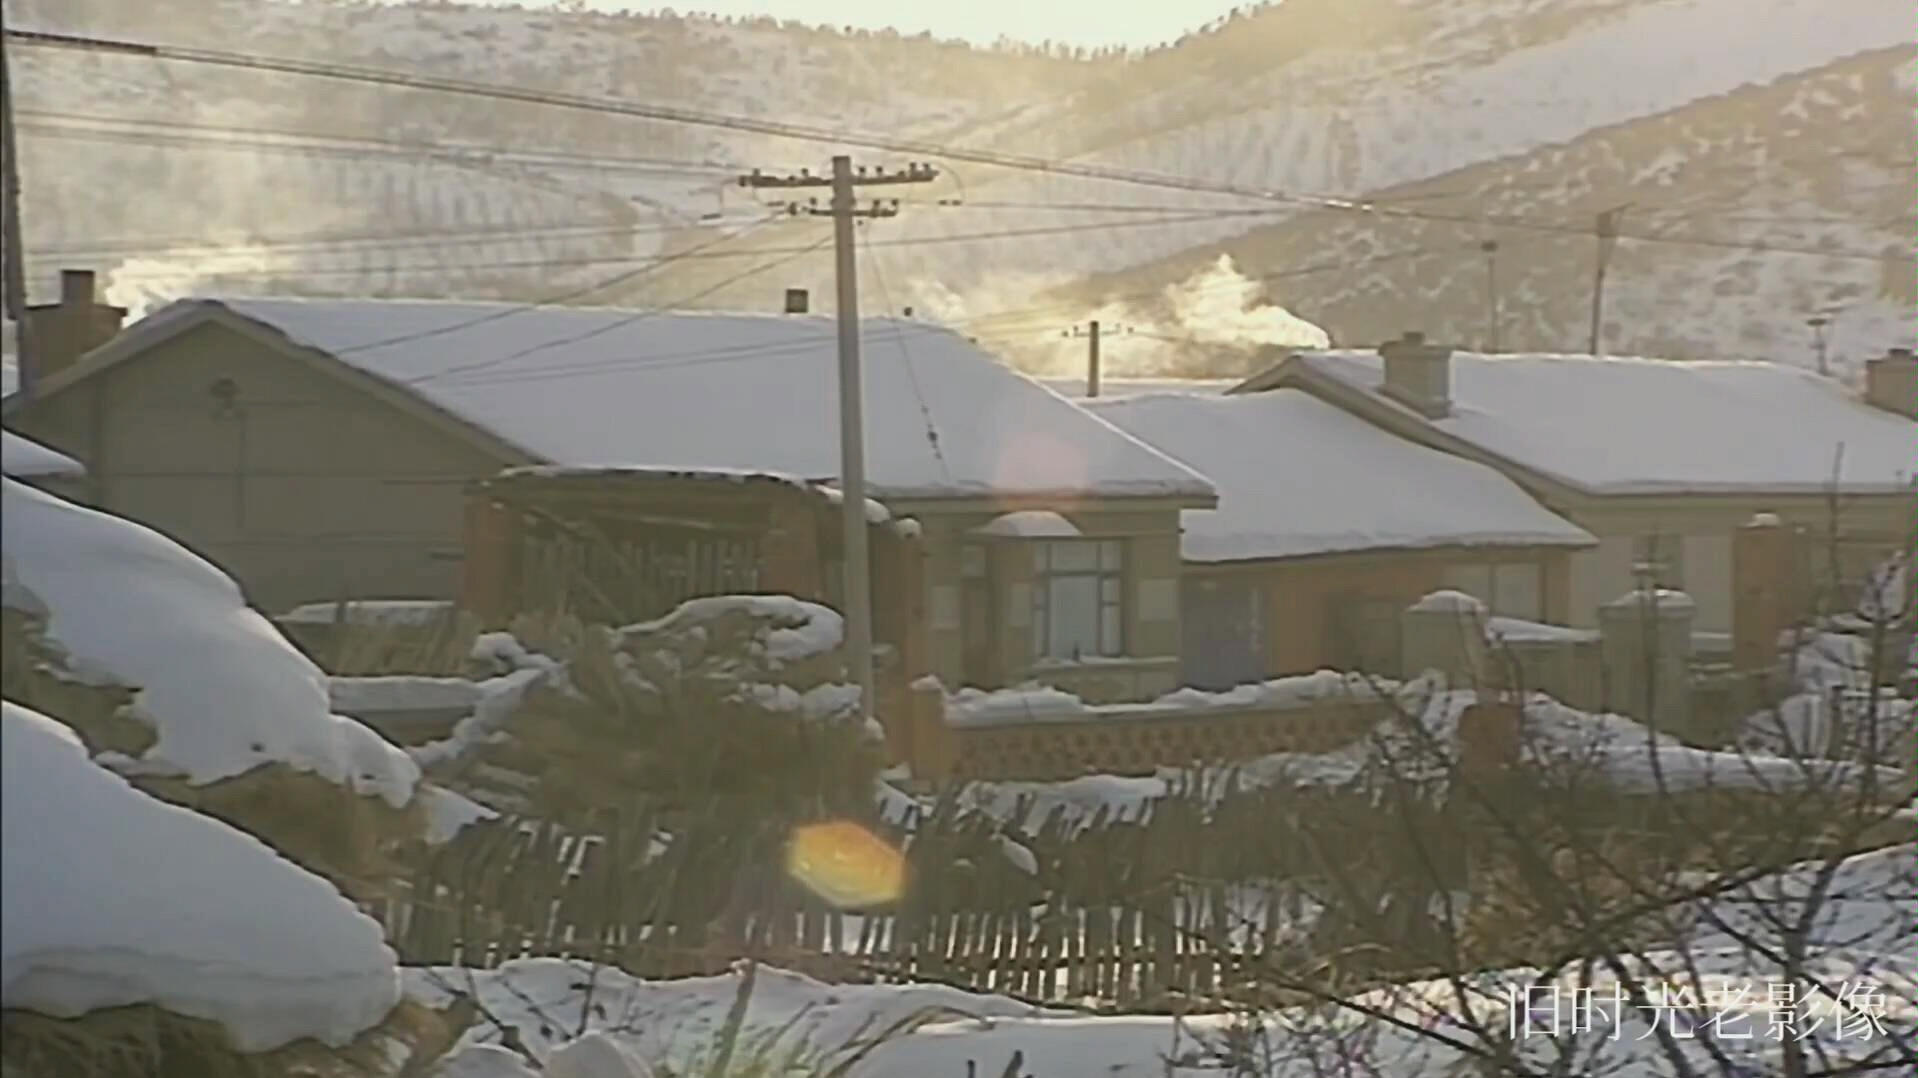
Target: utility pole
1606,229
13,262
1094,332
1490,247
1818,322
1092,358
856,576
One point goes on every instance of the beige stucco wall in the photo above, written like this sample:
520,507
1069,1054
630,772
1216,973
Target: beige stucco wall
1705,526
1151,601
307,490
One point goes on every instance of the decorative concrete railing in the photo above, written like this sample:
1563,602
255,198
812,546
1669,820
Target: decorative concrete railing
1038,734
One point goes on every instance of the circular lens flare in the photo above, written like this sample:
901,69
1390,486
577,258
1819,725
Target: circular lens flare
846,865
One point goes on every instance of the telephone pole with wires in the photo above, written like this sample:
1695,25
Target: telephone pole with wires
1490,249
1818,322
1606,229
13,261
844,209
1094,332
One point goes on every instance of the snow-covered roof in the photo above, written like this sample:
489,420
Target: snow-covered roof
223,690
1132,387
1640,426
756,392
115,898
1029,524
24,458
1297,476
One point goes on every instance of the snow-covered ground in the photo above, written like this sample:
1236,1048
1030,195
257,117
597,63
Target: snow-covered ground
1561,743
223,691
113,898
938,1031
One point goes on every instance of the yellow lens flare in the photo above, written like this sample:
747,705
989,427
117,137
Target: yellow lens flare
846,865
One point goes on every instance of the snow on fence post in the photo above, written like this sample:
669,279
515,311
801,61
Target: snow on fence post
1444,632
1646,641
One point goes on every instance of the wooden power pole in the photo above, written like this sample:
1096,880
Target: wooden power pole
856,578
1492,316
1606,229
13,259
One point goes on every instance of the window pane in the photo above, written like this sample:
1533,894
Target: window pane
1072,617
972,562
1110,631
1111,555
1109,589
1074,557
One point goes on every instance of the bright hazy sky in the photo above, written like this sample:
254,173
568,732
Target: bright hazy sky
1081,22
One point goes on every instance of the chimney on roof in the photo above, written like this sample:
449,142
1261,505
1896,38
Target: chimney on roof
1418,375
1891,382
798,301
60,333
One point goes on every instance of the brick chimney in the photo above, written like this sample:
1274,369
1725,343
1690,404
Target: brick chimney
1418,375
798,301
60,333
1891,382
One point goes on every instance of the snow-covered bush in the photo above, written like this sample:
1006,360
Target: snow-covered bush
151,654
113,899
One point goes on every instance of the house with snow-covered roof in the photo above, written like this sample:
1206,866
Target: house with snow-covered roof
1328,527
1662,460
320,448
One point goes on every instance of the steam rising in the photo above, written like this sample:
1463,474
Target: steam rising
1211,324
143,285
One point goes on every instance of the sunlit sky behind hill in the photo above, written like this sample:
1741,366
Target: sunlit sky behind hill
1090,23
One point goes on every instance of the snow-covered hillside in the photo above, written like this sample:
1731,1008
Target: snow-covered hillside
1733,203
1313,104
1467,106
138,166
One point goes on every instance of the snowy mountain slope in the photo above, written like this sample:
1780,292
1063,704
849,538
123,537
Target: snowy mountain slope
1326,96
1426,89
595,175
591,207
1819,161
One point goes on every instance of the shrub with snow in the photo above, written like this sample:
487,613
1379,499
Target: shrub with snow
112,898
223,691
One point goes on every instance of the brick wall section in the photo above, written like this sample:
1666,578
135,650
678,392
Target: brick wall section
489,559
790,554
1765,560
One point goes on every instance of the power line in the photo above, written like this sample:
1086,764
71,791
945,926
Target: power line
224,136
556,300
807,133
360,242
904,241
912,370
621,323
737,353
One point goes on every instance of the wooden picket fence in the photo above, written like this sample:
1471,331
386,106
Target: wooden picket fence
1115,913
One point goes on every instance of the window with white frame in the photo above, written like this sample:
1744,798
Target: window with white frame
1078,599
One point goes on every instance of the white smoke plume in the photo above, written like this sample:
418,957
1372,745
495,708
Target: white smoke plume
1215,322
143,285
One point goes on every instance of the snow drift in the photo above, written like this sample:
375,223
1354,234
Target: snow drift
224,692
115,898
